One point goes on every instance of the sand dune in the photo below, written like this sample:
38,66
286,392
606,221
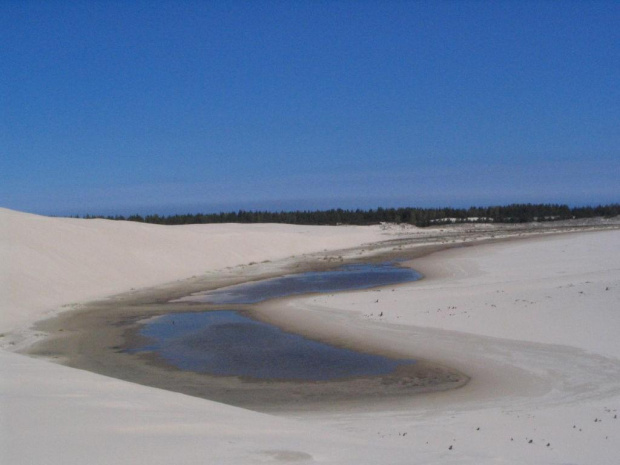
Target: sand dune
48,262
533,322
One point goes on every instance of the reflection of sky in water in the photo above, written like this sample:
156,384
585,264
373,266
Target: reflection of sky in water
349,277
228,343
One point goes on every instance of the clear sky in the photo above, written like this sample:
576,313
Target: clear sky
184,106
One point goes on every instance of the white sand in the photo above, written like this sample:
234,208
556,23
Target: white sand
48,262
533,322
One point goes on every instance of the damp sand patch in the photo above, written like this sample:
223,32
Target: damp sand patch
106,337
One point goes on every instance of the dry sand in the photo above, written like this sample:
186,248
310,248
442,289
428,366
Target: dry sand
532,322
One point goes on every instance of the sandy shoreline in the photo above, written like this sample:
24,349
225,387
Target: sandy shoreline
532,321
96,337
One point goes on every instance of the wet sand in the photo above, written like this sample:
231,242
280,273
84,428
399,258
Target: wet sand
95,337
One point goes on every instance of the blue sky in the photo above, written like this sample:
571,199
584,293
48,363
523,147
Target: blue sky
179,106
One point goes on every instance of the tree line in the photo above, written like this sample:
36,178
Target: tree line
515,213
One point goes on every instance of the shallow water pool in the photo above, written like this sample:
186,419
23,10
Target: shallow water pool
345,278
228,343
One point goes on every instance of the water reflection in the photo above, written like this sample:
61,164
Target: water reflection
228,343
345,278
